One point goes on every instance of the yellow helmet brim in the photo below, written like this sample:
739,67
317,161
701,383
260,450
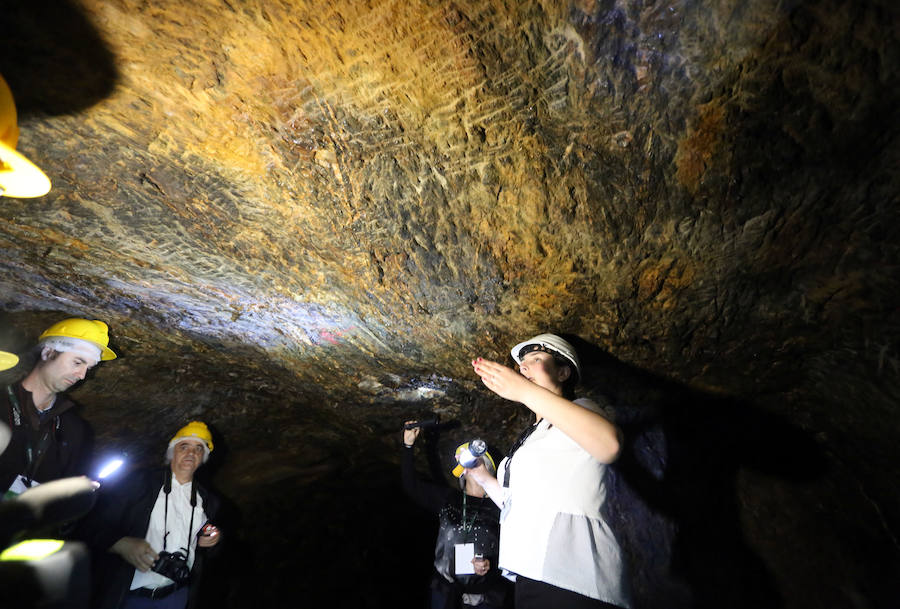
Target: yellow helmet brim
8,360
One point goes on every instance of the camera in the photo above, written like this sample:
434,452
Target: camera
174,566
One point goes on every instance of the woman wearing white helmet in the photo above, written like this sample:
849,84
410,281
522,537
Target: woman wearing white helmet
551,487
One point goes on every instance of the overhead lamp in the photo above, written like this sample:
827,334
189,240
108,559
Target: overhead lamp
19,177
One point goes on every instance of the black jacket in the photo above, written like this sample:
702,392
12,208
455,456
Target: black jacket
480,526
67,445
124,510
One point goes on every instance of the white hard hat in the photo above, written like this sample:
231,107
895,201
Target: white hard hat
549,343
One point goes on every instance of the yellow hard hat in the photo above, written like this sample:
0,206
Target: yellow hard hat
93,331
18,176
194,429
8,360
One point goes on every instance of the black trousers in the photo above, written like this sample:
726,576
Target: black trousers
532,594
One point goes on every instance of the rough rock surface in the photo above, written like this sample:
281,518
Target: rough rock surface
302,220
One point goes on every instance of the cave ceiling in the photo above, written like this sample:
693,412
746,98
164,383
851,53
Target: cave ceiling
299,215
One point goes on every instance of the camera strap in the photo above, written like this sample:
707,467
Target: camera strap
167,489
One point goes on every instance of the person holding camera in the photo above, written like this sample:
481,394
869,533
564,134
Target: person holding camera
551,487
151,533
465,555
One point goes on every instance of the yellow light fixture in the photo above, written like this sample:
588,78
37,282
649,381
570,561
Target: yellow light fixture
19,177
32,549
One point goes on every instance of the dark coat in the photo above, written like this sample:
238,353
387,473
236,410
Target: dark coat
124,510
68,441
482,528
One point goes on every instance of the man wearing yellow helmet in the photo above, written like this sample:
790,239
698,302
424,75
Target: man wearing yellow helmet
151,534
49,440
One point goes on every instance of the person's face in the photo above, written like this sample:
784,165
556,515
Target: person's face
541,369
64,370
187,456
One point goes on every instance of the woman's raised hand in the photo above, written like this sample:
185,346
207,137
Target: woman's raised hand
504,381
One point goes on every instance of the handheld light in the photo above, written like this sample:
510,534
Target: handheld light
469,455
111,466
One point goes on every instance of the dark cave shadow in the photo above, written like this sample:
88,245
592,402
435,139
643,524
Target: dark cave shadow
53,58
349,538
431,445
228,566
678,471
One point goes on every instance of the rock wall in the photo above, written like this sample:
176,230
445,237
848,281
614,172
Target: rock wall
301,222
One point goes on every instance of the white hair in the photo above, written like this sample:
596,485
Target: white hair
170,451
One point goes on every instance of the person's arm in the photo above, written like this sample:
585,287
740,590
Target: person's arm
103,529
210,536
590,430
107,523
427,495
136,552
489,483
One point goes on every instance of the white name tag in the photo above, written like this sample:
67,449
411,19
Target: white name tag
19,486
465,552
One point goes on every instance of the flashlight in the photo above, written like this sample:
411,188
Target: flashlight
111,466
469,455
423,423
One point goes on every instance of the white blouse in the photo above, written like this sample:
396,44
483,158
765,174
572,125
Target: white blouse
552,529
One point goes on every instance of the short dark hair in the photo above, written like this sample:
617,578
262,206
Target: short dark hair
568,385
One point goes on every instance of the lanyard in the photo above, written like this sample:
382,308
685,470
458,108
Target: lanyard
31,464
467,526
512,451
17,410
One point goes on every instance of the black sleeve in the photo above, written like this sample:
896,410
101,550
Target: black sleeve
120,511
212,506
427,495
78,440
